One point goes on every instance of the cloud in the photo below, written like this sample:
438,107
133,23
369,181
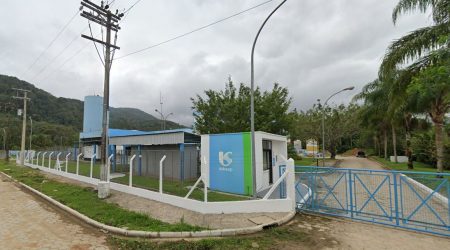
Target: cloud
312,47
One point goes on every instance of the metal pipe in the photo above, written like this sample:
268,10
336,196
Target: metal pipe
161,174
252,99
130,182
78,163
108,173
92,164
50,160
43,158
67,161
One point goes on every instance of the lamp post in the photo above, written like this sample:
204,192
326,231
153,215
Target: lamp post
252,98
163,118
323,121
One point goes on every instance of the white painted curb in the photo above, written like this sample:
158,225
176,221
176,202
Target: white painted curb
147,234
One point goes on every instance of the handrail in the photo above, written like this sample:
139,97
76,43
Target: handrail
130,183
161,174
67,161
92,165
275,185
78,162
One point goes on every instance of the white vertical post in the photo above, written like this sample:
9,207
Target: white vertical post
205,190
37,158
67,161
92,165
130,182
108,173
78,163
43,159
50,159
161,174
58,162
290,182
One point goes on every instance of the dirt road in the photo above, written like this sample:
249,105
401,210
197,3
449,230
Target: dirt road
28,223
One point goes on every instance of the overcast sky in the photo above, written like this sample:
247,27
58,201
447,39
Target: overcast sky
313,47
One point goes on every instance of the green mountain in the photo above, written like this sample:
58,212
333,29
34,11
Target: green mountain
65,111
61,119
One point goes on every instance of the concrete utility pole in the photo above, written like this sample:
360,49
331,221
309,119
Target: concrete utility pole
24,121
31,130
103,16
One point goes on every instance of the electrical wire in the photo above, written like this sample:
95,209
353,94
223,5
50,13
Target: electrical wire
194,30
131,7
95,44
53,41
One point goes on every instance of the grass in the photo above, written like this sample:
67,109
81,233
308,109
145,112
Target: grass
85,201
418,166
268,239
177,188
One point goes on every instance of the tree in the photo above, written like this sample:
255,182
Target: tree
431,91
421,46
228,110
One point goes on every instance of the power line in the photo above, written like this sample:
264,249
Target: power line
194,30
131,7
53,41
58,55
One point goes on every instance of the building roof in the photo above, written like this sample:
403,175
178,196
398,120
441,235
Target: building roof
122,132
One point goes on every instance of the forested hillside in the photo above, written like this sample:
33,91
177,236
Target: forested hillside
58,120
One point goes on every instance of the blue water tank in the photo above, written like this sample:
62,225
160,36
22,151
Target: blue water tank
93,115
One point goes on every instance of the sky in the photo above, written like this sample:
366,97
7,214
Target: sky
314,48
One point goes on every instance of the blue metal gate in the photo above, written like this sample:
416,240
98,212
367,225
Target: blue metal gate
412,200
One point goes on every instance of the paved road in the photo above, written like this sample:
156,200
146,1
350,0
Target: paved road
28,223
359,163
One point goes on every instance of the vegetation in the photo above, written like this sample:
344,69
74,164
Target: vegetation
85,201
413,88
228,111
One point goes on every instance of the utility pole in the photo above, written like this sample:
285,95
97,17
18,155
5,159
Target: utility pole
24,121
103,16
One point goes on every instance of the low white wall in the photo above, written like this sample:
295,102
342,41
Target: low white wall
400,159
229,207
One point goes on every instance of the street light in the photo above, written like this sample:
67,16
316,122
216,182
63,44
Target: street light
252,99
163,118
323,121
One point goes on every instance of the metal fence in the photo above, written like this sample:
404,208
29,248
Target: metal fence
412,200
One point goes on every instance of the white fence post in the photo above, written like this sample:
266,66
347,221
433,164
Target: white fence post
92,164
37,158
130,182
161,174
290,182
108,173
43,159
78,163
50,159
58,162
67,161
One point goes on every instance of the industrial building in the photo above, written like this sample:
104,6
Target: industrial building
180,146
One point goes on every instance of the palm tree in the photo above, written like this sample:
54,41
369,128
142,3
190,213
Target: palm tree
422,46
417,51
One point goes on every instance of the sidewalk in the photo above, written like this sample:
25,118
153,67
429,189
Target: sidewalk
28,223
173,214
